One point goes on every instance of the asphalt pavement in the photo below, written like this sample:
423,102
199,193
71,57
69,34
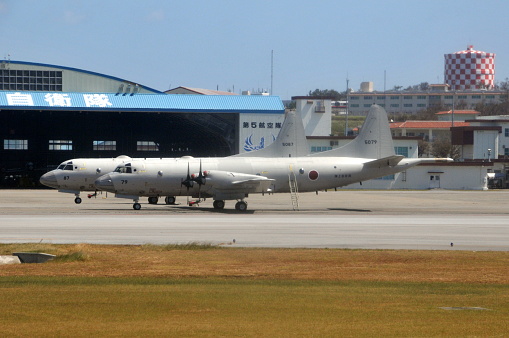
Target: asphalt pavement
426,220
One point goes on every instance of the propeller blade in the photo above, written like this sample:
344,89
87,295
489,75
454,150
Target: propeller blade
201,178
189,181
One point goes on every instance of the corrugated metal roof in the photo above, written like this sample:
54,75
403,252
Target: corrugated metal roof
200,91
79,71
142,102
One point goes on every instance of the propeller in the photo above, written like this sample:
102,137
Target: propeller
200,179
191,179
188,182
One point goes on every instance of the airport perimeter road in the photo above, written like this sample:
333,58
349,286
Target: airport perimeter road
471,220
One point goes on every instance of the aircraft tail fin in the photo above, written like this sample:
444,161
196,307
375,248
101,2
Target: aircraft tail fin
374,140
290,142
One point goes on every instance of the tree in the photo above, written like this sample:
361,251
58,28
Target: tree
501,108
461,104
442,147
335,95
423,148
429,114
291,105
503,85
424,86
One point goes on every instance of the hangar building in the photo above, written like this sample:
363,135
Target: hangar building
49,114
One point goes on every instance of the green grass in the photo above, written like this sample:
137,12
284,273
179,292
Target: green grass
78,256
197,289
7,249
182,246
81,306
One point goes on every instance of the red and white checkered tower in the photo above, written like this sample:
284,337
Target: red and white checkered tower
470,69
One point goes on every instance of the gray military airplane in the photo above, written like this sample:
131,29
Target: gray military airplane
283,166
79,174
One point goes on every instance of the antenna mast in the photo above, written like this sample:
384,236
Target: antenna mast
271,72
347,103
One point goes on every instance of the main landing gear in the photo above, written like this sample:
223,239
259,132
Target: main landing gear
170,200
218,204
239,206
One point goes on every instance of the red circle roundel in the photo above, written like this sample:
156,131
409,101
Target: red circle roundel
313,175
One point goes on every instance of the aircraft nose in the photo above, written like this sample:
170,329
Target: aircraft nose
49,179
104,183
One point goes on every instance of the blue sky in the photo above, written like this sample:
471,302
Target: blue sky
228,44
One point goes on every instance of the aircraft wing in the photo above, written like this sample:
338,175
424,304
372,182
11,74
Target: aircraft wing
262,182
230,185
389,161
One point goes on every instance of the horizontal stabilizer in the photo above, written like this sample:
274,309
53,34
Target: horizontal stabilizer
389,161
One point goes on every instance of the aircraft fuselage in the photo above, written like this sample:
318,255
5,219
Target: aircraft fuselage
310,173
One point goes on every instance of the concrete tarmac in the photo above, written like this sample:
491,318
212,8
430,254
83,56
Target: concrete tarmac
423,220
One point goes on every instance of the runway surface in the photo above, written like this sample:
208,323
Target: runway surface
430,220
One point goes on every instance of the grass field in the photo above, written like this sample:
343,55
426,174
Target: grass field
202,290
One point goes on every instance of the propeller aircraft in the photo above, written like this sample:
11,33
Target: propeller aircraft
283,166
79,174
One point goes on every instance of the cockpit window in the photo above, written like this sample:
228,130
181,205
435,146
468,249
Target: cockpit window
124,169
65,166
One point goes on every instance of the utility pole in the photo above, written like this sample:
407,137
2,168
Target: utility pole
272,72
452,112
347,103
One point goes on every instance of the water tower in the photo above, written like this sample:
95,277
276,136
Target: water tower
470,69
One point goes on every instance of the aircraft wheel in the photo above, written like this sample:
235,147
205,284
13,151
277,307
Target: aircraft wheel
153,200
241,206
77,200
136,206
170,200
218,204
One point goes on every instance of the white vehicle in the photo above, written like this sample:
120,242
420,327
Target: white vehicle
283,166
